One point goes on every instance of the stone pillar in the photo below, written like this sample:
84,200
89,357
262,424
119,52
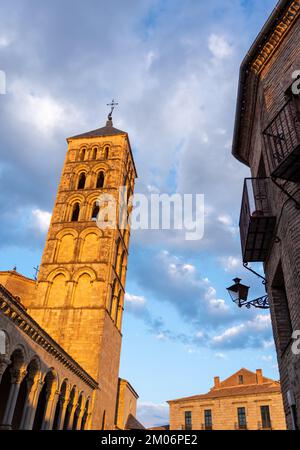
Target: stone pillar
28,401
119,317
114,307
4,362
71,418
62,414
79,420
52,399
17,376
31,409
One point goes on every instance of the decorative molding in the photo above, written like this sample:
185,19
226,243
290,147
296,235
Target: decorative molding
276,37
22,320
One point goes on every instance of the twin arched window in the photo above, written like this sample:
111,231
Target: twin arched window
81,181
75,212
95,211
94,153
82,154
100,180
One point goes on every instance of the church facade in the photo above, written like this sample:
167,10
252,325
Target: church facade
60,335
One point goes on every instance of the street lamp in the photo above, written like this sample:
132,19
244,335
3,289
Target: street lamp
238,292
239,295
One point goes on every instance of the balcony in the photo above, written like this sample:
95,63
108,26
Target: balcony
257,222
206,427
282,140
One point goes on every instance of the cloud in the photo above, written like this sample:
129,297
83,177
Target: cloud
231,263
41,219
219,46
251,333
153,414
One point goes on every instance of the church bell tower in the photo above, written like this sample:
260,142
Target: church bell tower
81,282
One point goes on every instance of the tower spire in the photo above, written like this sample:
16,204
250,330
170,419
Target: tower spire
112,105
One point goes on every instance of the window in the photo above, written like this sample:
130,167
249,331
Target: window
82,154
94,154
265,417
81,181
241,379
242,423
208,419
188,420
106,152
75,212
95,211
100,180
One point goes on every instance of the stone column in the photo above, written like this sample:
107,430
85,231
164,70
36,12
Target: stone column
31,410
114,307
28,401
17,376
52,399
119,317
4,362
71,418
62,414
80,416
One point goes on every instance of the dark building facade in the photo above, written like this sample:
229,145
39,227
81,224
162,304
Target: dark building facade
267,139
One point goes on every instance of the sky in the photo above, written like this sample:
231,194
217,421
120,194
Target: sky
173,67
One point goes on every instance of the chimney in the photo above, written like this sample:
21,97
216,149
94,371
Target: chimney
259,376
217,382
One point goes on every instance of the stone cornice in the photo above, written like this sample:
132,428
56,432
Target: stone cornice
12,309
270,38
276,37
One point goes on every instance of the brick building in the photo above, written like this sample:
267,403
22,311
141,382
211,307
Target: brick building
245,400
267,139
60,335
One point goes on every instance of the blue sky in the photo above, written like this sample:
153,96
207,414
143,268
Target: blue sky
173,67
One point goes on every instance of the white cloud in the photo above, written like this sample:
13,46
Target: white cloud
36,107
41,219
230,263
219,46
220,355
5,41
153,414
135,299
251,333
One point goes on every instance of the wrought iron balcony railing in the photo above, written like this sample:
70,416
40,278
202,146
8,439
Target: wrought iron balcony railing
257,222
282,140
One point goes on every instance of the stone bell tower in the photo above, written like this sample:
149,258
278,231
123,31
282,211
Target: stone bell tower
81,283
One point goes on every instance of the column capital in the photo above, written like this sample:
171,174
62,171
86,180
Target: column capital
4,362
17,375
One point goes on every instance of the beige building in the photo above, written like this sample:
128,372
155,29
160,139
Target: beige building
60,335
245,400
126,407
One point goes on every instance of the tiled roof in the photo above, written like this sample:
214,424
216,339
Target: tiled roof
108,130
230,387
265,388
133,424
161,428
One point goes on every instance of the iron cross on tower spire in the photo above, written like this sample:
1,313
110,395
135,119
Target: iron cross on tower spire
113,104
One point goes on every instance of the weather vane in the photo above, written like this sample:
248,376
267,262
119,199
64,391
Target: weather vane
113,104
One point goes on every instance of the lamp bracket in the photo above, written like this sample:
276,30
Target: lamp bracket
245,264
260,303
